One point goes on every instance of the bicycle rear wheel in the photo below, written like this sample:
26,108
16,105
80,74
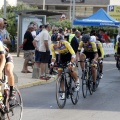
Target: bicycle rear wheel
59,92
16,106
84,85
98,77
74,94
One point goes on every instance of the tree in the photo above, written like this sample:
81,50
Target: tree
12,17
64,23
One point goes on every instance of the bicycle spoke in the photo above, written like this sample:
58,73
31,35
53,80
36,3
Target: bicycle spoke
74,94
59,92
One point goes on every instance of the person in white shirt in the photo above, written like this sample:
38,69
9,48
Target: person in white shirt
42,42
117,36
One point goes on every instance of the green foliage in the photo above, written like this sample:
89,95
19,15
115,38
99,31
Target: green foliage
64,23
11,16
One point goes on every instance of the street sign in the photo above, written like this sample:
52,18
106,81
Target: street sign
114,11
77,1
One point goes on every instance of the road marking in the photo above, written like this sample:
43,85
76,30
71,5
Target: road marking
110,69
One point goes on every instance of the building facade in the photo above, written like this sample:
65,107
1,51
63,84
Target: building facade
83,8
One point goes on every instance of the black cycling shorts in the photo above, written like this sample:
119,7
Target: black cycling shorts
90,55
64,58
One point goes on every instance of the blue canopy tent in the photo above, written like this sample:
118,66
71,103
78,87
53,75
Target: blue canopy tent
100,18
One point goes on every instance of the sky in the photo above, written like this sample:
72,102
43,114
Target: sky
11,2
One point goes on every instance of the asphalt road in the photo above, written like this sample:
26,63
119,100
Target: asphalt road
40,102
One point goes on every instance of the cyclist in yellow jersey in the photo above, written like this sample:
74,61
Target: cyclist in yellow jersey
90,51
117,53
100,56
67,54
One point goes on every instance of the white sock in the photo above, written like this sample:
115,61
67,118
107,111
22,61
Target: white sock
77,82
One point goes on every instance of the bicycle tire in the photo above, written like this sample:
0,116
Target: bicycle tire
84,85
90,85
98,77
61,103
16,109
74,94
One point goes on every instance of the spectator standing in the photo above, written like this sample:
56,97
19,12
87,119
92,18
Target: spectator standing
40,29
72,34
117,36
28,48
44,42
4,35
75,41
106,37
100,36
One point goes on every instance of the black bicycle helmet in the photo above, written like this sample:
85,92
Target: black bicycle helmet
86,38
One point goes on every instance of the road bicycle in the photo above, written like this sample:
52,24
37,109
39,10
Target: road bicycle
98,73
66,84
87,81
10,110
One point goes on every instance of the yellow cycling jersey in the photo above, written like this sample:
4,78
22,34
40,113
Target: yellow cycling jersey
90,48
117,47
64,48
100,48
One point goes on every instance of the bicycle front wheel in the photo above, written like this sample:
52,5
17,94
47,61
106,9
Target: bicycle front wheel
16,107
98,77
74,94
84,85
90,85
60,90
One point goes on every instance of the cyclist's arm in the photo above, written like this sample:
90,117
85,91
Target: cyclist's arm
101,50
53,54
80,46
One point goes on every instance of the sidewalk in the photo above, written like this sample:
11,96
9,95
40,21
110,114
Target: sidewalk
24,80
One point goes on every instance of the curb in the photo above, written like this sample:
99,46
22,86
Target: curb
38,82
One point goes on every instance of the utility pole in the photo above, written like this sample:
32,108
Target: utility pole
5,9
70,9
43,4
73,16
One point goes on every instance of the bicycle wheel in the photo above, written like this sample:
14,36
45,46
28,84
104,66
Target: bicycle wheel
74,94
90,85
16,107
59,92
98,77
84,85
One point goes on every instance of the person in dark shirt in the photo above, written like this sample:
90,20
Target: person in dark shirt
28,48
100,36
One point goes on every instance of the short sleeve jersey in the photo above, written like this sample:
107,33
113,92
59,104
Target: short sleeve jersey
63,49
90,48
